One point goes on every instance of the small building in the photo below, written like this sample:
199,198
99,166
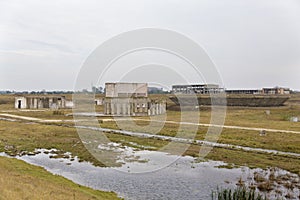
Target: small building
70,104
99,101
196,89
40,102
130,99
276,90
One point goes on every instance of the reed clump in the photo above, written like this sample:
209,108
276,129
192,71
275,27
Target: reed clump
239,193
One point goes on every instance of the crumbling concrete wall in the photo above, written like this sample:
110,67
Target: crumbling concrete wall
40,102
130,99
114,90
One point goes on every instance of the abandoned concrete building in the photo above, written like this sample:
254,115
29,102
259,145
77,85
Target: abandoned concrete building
38,102
214,88
131,99
196,89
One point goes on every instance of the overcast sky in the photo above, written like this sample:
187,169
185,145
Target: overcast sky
254,43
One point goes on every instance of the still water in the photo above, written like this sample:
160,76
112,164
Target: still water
183,179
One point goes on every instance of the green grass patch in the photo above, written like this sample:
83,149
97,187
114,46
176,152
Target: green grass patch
20,180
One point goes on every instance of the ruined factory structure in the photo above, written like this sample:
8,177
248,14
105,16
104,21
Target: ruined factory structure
131,99
197,89
214,89
39,102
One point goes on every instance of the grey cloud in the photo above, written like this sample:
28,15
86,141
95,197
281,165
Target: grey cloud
254,43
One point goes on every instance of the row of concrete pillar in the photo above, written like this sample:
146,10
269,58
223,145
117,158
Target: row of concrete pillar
141,108
125,108
157,108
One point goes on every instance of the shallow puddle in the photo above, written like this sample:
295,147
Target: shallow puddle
184,179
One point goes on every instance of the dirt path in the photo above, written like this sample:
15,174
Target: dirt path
170,122
34,118
213,125
235,127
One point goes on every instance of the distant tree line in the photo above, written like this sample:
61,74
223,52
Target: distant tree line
294,92
36,92
155,90
94,89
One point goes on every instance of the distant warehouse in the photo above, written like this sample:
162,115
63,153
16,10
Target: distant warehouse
266,91
196,89
276,90
214,88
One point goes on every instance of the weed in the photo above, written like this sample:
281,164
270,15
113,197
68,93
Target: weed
239,193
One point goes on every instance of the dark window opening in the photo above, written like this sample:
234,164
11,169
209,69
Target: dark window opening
19,104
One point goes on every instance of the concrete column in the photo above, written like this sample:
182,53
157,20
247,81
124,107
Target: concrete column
124,110
152,109
112,108
35,103
109,108
28,102
115,108
106,108
161,108
135,107
118,108
128,108
131,108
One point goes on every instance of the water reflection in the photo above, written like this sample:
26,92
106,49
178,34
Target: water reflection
184,179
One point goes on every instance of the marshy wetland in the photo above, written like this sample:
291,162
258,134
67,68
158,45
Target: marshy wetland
50,139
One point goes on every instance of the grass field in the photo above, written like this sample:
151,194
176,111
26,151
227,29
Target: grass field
25,136
20,180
